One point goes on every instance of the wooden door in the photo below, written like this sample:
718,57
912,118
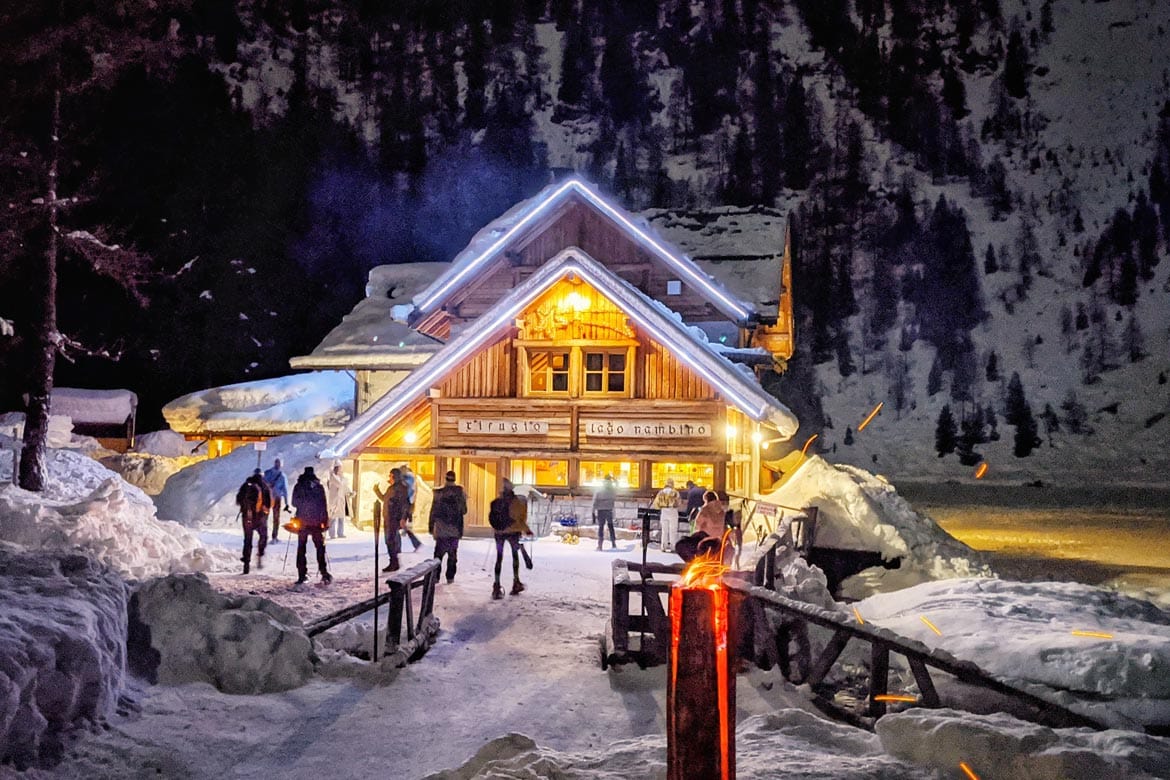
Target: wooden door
482,487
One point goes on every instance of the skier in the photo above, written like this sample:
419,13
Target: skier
446,522
337,496
278,484
309,499
395,505
603,512
508,517
666,502
254,500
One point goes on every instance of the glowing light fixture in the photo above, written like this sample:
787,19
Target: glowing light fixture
411,437
757,437
731,431
575,301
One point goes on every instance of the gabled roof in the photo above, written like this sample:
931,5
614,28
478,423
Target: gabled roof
495,238
735,382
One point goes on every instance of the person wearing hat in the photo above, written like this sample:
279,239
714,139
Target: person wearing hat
395,506
603,512
446,522
308,498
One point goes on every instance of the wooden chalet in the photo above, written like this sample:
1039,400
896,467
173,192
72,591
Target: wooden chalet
571,349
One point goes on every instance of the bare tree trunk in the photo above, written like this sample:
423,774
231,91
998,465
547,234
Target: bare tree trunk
36,424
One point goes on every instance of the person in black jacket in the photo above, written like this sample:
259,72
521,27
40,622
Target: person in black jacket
448,507
254,500
308,498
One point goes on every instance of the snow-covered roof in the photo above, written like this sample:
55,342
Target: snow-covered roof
106,407
735,383
742,247
374,335
318,401
495,237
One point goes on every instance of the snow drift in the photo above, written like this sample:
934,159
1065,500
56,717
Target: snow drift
62,650
87,508
204,494
238,644
861,511
316,401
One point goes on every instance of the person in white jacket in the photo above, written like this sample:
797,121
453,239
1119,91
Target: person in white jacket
337,495
667,503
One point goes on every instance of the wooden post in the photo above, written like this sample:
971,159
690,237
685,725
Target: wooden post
700,693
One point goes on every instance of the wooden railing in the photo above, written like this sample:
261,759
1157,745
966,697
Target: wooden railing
767,643
410,613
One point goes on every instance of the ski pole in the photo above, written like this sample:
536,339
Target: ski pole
287,540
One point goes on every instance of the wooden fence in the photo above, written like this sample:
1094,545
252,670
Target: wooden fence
770,624
412,625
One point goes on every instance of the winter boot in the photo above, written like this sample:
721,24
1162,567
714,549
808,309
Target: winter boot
259,562
326,578
245,566
517,587
302,579
497,591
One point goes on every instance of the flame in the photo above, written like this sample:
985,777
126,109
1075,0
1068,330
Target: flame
872,415
981,471
967,770
706,571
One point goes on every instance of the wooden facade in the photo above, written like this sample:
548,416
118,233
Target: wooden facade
495,411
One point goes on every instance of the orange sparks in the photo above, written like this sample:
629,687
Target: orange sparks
858,615
1096,634
979,472
967,771
804,449
929,625
872,415
895,697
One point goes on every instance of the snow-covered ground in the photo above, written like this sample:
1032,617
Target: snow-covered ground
530,665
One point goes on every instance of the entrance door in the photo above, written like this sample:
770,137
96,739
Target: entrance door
482,486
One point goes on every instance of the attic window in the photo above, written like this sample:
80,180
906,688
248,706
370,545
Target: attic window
674,287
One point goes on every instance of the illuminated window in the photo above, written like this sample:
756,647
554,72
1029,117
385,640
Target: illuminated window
541,473
548,372
605,372
699,473
594,472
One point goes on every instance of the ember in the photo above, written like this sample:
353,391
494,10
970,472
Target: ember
872,415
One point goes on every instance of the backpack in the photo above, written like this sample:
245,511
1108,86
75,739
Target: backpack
253,499
498,515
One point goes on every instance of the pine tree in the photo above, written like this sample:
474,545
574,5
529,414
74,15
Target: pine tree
1134,341
1025,439
992,428
1016,66
945,433
971,433
1075,416
848,441
990,265
576,70
992,367
934,377
1015,404
1051,422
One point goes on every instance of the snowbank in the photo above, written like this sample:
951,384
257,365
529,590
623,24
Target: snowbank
204,494
62,650
87,508
168,444
315,401
147,472
238,644
1000,746
860,511
60,432
110,407
1024,631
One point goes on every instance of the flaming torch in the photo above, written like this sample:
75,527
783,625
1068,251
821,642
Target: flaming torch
700,694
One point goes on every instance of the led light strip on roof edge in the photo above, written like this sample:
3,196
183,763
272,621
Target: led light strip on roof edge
685,268
472,339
